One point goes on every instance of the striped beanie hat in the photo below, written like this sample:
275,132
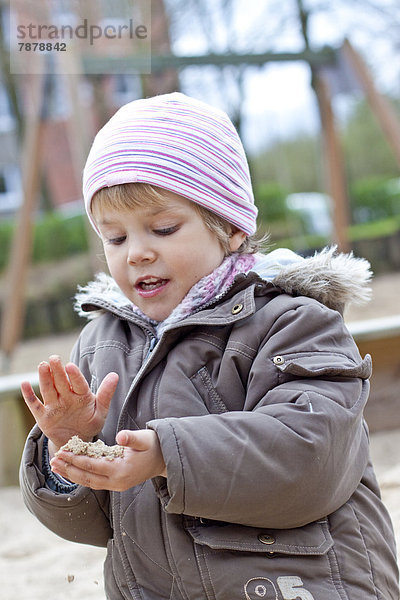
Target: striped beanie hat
180,144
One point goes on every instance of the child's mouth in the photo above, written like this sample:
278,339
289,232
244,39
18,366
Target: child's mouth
149,287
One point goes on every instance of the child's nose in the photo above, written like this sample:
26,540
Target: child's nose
139,252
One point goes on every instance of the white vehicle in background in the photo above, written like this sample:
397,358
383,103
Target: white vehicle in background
315,209
10,190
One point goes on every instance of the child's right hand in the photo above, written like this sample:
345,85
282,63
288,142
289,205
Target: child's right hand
69,407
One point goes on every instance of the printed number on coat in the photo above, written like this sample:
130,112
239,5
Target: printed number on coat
291,588
260,587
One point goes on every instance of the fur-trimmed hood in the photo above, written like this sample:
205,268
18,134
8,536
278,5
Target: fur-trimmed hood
332,278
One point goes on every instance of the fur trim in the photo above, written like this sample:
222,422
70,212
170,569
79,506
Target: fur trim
102,288
335,280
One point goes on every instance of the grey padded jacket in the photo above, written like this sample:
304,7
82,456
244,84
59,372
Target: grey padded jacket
258,401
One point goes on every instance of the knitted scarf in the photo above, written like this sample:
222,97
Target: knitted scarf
206,289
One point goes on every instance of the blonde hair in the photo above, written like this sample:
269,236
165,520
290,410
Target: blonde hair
132,195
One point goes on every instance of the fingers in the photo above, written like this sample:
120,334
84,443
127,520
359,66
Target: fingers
53,380
56,380
146,451
69,460
77,381
46,383
31,400
89,472
106,391
122,438
77,474
59,374
140,440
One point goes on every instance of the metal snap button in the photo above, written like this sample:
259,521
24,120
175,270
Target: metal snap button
237,309
278,360
266,538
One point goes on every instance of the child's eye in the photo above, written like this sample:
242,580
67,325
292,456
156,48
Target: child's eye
166,230
117,241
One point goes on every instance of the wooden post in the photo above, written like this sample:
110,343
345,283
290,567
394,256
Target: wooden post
79,140
380,106
167,80
13,309
334,167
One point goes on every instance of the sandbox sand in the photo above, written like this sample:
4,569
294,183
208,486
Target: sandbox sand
96,449
35,564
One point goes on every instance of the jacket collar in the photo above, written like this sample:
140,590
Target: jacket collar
333,279
236,304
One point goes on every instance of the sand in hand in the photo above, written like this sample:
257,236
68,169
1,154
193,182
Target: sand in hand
96,449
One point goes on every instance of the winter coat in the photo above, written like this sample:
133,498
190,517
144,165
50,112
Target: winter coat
258,401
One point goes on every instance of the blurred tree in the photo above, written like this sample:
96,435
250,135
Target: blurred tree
165,81
296,163
367,151
374,198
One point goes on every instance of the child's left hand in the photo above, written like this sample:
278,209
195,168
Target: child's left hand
142,460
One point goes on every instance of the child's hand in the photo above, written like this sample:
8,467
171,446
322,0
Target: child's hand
142,460
69,407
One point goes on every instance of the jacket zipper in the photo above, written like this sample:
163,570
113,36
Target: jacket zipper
153,343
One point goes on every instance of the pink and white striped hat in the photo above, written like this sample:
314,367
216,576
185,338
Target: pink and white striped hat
180,144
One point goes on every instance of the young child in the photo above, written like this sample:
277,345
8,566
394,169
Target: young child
227,375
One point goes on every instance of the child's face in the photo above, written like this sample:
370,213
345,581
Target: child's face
156,254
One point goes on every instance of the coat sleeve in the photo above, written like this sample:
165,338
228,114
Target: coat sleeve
300,447
78,516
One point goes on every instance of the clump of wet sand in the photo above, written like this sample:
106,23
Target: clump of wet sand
96,449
